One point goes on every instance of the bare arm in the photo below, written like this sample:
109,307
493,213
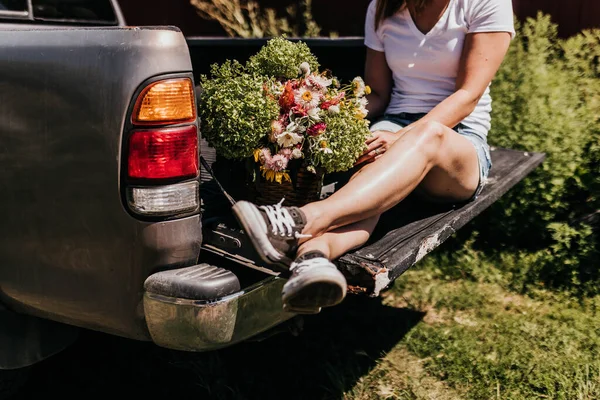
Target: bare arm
379,77
481,58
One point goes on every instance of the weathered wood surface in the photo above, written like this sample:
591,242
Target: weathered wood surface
414,228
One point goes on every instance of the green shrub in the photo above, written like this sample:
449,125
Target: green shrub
231,91
281,58
547,99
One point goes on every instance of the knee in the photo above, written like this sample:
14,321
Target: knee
430,138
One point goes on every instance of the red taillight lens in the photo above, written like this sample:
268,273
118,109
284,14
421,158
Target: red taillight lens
163,153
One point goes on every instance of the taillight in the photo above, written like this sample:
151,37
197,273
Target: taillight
163,153
161,164
167,101
164,200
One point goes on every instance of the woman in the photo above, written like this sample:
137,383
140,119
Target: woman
429,64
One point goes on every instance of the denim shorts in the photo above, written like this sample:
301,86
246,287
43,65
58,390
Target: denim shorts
395,122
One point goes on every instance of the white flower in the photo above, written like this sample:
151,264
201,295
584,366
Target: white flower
296,153
307,97
326,150
363,106
359,86
277,88
335,109
313,114
295,127
318,82
305,68
287,139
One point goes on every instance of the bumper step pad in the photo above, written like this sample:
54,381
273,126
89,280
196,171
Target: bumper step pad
199,282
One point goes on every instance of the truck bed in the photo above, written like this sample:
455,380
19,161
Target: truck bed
405,233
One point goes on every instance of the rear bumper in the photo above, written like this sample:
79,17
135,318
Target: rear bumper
192,325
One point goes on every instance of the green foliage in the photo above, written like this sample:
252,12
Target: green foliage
232,92
582,54
569,262
496,344
546,99
346,135
281,58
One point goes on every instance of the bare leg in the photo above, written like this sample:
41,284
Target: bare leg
335,243
432,154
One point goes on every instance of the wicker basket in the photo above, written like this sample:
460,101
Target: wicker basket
304,188
243,180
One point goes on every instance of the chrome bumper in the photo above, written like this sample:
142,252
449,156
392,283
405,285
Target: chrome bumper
191,325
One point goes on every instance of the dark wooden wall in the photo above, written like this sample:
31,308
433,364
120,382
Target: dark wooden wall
571,15
345,16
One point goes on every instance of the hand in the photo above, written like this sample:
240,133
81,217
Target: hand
377,145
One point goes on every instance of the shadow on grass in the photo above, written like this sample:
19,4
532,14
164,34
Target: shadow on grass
334,350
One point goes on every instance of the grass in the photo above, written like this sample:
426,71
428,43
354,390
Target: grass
434,335
489,343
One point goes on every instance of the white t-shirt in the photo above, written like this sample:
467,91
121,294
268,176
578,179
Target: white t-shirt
425,66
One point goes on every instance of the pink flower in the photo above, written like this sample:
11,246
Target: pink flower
326,104
277,163
317,129
299,111
265,154
332,101
277,127
286,152
339,97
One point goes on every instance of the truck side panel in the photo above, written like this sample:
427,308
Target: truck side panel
69,251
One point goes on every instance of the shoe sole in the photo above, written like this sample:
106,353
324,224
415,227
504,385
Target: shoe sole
318,291
254,225
310,311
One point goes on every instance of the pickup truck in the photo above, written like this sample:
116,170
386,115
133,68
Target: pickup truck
104,198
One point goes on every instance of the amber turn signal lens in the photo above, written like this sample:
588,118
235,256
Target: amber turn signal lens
163,102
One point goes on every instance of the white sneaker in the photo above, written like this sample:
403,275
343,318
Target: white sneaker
314,283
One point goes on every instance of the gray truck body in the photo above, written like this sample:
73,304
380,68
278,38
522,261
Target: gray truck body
70,251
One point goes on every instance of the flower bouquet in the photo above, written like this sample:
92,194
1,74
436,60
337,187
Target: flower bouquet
291,122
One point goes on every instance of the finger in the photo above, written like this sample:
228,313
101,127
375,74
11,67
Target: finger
365,158
361,159
374,145
373,136
372,154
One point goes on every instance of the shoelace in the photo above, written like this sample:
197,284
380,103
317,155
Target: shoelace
282,223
